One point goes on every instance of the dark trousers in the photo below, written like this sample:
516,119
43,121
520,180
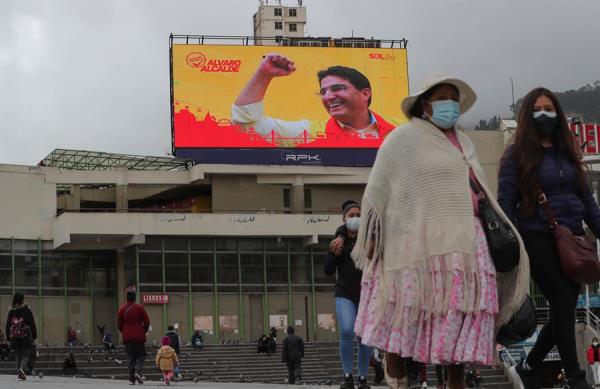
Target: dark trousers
136,353
379,374
441,373
294,370
561,294
22,356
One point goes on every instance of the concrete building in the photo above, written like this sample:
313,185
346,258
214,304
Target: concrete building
278,21
234,248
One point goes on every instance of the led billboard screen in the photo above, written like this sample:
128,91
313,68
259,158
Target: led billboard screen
245,104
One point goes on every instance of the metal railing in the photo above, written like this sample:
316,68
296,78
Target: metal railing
506,358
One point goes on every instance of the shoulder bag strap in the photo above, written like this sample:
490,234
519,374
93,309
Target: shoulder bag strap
477,189
543,201
127,310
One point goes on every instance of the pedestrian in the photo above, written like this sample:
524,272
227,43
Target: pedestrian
429,288
292,354
273,333
593,357
197,341
175,341
133,322
347,297
21,332
166,359
71,337
441,373
376,363
546,157
176,345
70,365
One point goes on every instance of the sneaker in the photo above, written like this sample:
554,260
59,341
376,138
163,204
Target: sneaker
138,379
348,382
578,381
21,375
362,383
525,378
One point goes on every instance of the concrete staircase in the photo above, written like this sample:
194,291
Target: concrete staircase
329,352
222,363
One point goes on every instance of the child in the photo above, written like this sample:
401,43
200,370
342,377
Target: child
166,359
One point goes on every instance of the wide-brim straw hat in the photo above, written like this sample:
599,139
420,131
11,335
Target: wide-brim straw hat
466,95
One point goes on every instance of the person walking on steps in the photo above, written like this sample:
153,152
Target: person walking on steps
133,322
21,332
429,290
545,158
167,360
593,357
292,354
347,296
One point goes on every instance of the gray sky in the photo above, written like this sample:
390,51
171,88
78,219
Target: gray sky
94,75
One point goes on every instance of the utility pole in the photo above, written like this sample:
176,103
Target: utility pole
512,107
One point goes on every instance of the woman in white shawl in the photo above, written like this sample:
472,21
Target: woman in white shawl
429,289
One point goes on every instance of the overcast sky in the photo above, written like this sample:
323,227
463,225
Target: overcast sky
94,74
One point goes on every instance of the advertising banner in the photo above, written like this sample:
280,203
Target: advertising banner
588,136
265,104
278,321
155,298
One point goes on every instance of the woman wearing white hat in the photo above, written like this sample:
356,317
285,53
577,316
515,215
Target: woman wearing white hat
430,289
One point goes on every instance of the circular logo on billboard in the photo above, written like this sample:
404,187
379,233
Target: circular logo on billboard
196,60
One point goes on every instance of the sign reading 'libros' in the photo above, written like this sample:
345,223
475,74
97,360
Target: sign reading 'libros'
155,298
285,105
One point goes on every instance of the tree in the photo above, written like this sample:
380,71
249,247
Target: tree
491,124
583,102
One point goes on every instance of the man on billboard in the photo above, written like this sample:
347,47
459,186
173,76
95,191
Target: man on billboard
345,94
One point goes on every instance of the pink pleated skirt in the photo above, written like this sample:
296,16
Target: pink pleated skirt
455,336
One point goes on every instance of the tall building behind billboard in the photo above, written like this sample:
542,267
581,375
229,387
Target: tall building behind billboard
279,21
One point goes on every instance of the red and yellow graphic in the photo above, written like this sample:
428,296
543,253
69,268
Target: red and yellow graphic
207,80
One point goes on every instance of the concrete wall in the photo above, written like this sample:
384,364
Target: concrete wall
330,198
243,193
490,147
27,203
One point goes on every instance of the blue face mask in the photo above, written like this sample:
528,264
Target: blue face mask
445,113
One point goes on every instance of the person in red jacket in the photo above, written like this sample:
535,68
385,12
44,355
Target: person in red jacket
133,323
593,357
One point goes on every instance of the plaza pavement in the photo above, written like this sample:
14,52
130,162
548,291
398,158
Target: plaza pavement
33,382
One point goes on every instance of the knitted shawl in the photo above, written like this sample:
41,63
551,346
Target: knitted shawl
417,205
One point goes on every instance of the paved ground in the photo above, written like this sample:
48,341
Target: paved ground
10,382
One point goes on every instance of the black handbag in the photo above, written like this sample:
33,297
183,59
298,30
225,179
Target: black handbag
501,239
520,327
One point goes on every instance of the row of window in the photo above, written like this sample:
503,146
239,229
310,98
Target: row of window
53,273
232,265
292,12
292,27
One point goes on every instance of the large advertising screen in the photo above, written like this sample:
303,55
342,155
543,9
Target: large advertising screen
266,104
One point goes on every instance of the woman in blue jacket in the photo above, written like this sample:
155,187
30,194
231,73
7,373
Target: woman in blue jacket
545,153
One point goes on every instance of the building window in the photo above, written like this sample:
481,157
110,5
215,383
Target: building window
279,25
287,198
292,12
293,27
278,12
307,198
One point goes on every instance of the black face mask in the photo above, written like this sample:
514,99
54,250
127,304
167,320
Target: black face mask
544,125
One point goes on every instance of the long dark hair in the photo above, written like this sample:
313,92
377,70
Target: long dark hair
527,149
